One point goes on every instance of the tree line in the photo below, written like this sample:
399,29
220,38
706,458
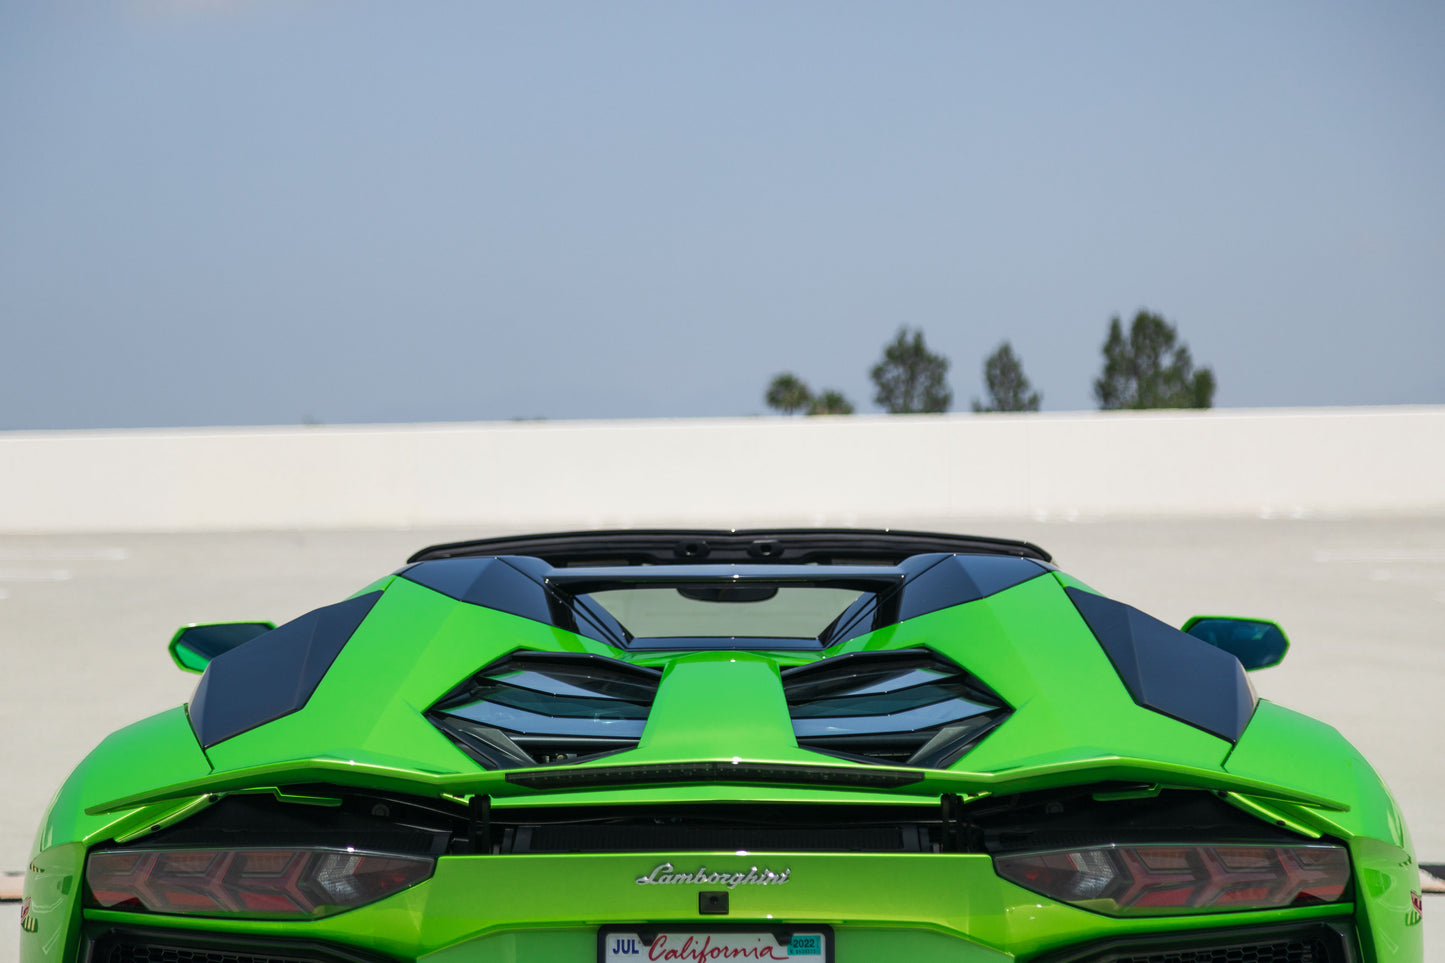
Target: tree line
1149,367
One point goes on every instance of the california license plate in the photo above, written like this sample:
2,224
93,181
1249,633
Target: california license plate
682,944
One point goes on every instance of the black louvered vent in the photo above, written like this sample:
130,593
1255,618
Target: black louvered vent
536,708
1323,942
129,952
906,707
685,838
124,945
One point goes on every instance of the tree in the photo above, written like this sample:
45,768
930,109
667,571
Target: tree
1008,386
1150,368
788,393
910,378
830,402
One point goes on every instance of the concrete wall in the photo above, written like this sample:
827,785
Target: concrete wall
727,472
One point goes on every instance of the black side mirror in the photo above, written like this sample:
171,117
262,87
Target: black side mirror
194,646
1257,643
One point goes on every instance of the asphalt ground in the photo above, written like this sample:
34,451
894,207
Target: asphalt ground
84,622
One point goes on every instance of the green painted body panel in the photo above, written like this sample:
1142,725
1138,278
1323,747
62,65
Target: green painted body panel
1287,747
160,749
170,755
1074,722
718,705
414,646
1070,705
1385,877
53,884
1074,719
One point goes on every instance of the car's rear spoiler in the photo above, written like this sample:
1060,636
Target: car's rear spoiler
900,781
800,546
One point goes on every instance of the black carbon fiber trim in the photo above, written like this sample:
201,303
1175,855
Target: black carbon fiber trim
274,674
708,772
1168,671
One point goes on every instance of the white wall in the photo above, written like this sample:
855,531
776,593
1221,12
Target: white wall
727,472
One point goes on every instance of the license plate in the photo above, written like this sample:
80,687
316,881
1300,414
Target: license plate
683,944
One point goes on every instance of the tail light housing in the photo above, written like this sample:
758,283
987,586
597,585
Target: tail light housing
250,883
1157,880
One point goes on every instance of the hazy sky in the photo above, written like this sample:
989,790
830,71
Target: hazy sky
267,211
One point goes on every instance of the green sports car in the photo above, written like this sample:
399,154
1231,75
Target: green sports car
816,745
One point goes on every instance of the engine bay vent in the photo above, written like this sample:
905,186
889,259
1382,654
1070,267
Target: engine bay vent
538,708
908,707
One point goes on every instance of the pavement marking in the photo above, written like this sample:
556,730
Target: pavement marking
78,554
1383,555
47,575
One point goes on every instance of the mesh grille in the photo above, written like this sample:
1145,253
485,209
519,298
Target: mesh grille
1282,951
136,951
125,952
1323,942
155,946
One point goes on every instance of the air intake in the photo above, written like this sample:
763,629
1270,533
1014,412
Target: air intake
537,708
907,707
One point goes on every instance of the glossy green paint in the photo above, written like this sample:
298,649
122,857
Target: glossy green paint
1271,811
1068,581
1287,747
1035,649
414,647
189,647
719,705
1072,712
53,883
1074,722
926,784
168,748
1074,719
380,585
1385,876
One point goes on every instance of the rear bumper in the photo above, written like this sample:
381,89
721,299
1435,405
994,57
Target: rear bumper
879,906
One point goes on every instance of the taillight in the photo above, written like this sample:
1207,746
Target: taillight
1158,880
253,883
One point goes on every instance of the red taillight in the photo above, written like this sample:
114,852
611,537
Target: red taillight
255,883
1158,880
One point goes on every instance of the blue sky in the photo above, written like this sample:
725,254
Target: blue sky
270,211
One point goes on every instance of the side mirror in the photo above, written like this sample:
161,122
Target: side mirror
1257,643
194,646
